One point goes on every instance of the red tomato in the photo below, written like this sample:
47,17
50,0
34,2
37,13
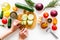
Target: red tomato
45,15
54,27
4,21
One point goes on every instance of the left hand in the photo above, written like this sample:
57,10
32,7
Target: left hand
15,25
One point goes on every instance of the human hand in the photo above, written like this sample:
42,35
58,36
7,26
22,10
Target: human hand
23,34
15,25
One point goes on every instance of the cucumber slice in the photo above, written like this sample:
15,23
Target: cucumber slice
13,15
24,17
30,22
30,17
23,22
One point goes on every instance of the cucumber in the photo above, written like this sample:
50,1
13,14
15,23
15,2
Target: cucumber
9,22
23,6
13,15
30,3
1,15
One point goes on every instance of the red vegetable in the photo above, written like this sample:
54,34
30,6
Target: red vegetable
54,27
45,15
53,13
39,6
4,21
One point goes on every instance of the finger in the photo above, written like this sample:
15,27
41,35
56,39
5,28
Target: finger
16,22
25,34
25,30
22,30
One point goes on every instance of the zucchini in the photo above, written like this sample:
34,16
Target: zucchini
23,6
24,17
30,17
9,22
1,15
30,3
13,15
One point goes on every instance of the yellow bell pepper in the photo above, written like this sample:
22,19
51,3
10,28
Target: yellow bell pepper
5,6
6,14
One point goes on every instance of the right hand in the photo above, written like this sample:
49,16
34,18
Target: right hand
23,33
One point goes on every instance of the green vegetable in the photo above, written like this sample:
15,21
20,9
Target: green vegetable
9,22
23,6
1,15
30,22
23,23
30,17
24,17
13,15
51,4
30,3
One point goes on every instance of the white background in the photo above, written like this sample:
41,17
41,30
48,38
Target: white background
37,33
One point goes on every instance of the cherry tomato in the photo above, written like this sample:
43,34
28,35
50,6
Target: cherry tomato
4,21
54,27
45,15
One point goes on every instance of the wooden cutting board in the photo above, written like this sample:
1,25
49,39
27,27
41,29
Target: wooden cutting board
27,26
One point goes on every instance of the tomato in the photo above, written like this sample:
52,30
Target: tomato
4,21
54,27
45,15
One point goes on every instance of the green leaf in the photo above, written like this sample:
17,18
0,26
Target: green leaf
52,4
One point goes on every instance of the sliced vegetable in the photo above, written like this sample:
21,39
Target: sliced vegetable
44,25
23,23
5,6
13,15
4,21
49,20
1,15
9,22
15,8
30,3
6,14
23,6
30,17
54,21
29,22
24,17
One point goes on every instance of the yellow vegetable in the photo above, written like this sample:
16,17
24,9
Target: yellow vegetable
54,21
14,8
6,14
5,6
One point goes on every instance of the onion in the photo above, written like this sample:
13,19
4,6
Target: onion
39,6
53,13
